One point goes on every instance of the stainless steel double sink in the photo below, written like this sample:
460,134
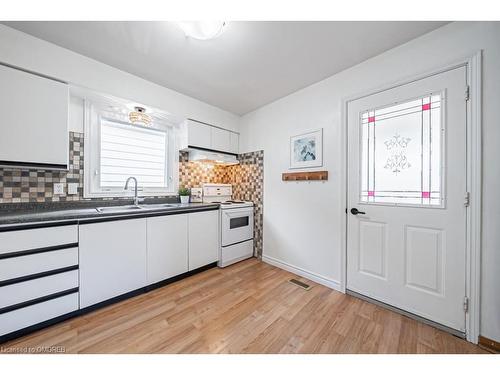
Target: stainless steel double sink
132,207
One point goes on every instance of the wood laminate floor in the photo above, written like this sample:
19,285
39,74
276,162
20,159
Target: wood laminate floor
249,307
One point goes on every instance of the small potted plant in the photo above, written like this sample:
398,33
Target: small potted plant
184,194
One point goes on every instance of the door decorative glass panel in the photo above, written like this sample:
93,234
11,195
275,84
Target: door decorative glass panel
402,148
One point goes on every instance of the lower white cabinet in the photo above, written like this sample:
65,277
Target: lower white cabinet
112,259
26,265
30,290
203,238
167,249
39,276
40,312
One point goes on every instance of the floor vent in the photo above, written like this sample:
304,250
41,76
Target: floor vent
300,284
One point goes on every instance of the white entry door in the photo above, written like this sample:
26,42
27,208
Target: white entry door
407,197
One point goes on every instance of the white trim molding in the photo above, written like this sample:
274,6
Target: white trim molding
330,283
97,112
474,182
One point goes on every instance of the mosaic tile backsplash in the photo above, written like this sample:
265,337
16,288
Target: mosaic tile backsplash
247,179
19,185
195,174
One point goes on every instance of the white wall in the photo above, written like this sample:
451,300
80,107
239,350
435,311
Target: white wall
302,220
24,51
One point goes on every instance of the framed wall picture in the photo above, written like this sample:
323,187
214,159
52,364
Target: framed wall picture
306,150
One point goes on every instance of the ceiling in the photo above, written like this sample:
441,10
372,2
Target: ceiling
250,65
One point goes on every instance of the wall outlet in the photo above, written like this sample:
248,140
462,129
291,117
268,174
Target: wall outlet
72,188
58,188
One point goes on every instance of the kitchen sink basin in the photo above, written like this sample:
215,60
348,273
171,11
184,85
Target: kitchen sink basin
118,208
156,206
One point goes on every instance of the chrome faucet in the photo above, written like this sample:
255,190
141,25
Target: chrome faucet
136,198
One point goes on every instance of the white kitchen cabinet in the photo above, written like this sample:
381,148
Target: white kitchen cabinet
221,140
40,287
203,238
38,275
15,267
34,126
167,247
26,239
234,146
37,313
199,135
112,259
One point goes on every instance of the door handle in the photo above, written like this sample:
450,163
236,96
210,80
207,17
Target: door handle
355,211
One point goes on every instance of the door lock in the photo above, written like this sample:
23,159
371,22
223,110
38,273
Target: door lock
355,211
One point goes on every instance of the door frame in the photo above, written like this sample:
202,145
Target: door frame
474,181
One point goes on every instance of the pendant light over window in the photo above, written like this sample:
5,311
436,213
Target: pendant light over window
139,116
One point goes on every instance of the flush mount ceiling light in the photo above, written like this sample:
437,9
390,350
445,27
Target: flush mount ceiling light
202,30
138,115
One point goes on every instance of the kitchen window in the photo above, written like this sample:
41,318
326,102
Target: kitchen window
115,149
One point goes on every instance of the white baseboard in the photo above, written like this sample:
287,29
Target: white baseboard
333,284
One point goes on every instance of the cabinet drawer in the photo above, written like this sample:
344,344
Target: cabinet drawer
30,239
11,268
28,290
40,312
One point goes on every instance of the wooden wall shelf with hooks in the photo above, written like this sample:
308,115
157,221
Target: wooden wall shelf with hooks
305,176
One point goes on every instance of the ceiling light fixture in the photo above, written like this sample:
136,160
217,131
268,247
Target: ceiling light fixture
138,115
202,30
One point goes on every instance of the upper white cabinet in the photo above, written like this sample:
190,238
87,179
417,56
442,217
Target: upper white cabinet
221,139
34,124
199,135
234,143
203,238
112,259
209,137
167,238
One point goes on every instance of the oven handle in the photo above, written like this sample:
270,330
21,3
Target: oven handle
237,212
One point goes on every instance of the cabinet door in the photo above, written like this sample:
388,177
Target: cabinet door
34,119
221,140
167,247
203,238
112,259
199,135
235,143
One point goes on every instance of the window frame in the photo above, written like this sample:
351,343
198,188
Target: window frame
94,113
443,161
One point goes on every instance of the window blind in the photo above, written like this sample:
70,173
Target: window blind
132,151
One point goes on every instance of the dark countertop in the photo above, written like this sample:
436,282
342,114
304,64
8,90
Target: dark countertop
17,216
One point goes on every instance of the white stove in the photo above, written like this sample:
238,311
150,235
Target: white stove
236,224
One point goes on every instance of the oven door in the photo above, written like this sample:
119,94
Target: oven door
237,225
